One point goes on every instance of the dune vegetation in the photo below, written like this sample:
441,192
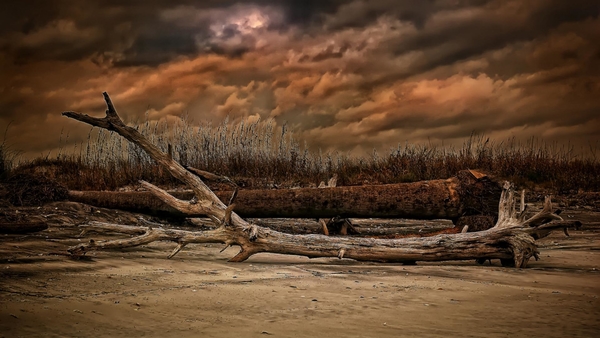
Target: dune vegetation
262,154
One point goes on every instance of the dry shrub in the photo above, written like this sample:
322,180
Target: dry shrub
262,154
25,189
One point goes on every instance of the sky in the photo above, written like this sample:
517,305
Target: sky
343,75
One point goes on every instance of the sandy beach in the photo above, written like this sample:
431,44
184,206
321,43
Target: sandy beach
138,292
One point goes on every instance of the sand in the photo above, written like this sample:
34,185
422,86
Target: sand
138,292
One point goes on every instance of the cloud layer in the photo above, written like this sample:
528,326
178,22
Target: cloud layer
345,75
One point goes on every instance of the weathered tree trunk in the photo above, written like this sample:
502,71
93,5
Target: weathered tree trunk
469,193
509,240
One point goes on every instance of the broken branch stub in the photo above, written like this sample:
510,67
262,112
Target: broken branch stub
510,240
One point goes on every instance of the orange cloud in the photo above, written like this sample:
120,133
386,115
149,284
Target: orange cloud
342,80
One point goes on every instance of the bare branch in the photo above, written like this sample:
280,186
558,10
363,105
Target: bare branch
324,227
176,250
212,177
111,112
227,217
192,209
233,196
113,122
148,235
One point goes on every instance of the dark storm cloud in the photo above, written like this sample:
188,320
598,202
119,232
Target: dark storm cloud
479,29
129,33
360,13
157,46
61,30
71,30
126,33
452,34
306,12
344,74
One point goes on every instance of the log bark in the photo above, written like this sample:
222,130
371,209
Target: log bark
510,240
463,195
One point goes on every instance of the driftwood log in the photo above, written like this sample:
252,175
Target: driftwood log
511,240
468,193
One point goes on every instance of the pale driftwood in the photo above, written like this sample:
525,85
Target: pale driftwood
510,240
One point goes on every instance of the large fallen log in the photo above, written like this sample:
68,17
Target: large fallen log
510,240
468,193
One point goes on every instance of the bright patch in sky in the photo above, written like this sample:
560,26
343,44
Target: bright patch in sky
245,22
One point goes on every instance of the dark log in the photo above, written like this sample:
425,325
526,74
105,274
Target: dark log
469,193
22,227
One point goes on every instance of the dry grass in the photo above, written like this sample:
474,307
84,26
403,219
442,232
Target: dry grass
261,154
7,157
532,163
